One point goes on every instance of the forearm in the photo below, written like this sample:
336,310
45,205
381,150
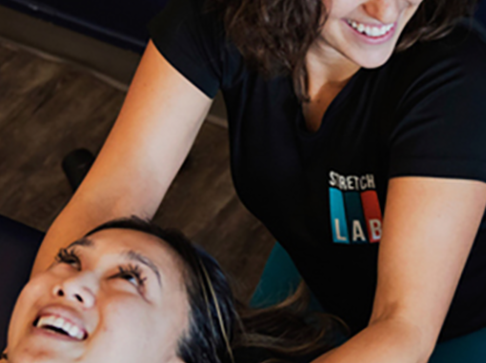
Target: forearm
72,223
386,341
82,214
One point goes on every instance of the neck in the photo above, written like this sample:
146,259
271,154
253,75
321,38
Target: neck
328,67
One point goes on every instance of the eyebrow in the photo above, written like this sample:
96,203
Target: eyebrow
131,255
85,242
135,256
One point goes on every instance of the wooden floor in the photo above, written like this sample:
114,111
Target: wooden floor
49,108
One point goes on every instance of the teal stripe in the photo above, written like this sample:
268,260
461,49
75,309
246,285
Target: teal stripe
338,217
356,220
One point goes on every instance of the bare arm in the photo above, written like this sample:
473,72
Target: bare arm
428,232
155,129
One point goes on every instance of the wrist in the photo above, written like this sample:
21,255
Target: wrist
384,341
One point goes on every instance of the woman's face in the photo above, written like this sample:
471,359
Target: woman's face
366,31
120,296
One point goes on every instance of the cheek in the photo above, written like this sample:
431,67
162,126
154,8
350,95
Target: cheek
128,331
412,10
32,297
130,326
415,2
125,317
337,9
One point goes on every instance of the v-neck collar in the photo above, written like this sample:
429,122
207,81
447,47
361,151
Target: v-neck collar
333,107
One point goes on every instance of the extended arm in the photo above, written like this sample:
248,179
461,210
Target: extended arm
155,129
428,230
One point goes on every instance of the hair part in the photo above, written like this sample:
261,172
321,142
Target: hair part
274,36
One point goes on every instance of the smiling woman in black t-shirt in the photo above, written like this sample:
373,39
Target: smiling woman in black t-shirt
339,145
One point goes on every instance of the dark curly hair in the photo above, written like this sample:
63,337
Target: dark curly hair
274,36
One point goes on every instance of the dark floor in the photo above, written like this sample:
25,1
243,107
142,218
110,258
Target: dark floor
112,62
49,108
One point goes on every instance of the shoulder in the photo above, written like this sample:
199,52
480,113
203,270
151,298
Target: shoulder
188,7
462,53
466,37
463,49
451,68
190,35
188,14
436,92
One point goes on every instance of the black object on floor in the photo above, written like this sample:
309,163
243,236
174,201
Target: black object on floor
76,165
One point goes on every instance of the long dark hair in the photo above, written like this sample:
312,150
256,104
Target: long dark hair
289,331
218,323
274,36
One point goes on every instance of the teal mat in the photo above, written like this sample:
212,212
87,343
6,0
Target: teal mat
280,278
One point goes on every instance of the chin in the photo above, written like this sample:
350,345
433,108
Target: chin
33,352
371,61
30,358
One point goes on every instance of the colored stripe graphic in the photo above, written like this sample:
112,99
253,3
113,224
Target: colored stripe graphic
372,212
338,216
356,219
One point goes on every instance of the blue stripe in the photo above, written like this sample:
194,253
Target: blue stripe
338,217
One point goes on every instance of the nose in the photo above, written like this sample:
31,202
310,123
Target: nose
80,290
386,11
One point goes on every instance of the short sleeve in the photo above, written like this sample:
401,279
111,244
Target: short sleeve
440,124
190,38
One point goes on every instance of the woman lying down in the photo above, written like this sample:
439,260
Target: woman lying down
131,292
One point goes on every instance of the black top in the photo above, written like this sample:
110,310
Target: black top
321,194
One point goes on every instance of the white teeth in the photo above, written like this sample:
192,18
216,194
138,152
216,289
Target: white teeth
60,323
370,31
66,326
46,321
76,333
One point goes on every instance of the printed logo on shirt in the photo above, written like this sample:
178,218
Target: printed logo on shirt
355,210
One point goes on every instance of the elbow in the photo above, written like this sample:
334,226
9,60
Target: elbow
419,336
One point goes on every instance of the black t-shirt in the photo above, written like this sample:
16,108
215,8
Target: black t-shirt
321,194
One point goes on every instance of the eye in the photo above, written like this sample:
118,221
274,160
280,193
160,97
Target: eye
69,257
132,274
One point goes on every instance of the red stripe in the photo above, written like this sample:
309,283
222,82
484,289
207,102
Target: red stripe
372,212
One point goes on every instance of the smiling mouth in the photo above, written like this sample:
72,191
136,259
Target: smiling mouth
371,31
60,326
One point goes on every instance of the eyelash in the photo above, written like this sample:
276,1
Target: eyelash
70,257
132,271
